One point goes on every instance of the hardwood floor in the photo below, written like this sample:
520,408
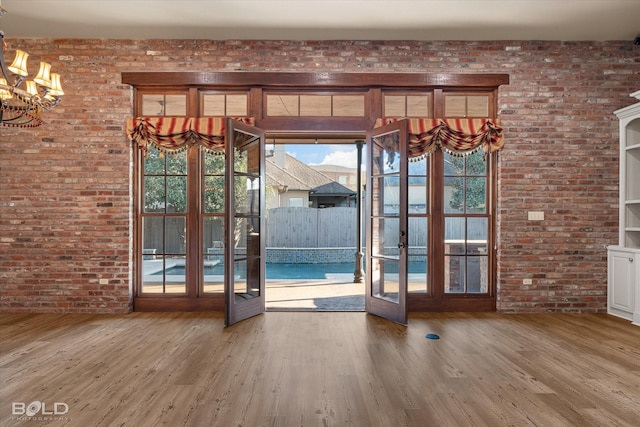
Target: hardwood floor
322,369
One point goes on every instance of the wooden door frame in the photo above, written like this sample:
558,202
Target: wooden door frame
372,85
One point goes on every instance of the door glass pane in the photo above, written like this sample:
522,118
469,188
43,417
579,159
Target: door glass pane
477,231
175,274
417,273
154,193
247,237
417,262
390,195
454,274
391,156
386,152
476,164
418,167
454,235
153,273
214,194
453,165
385,279
385,236
453,195
152,236
418,235
214,184
177,163
247,195
175,235
247,159
417,195
176,194
213,262
478,265
246,279
477,274
213,164
476,195
153,163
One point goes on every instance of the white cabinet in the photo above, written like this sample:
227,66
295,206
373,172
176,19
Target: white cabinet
630,174
623,292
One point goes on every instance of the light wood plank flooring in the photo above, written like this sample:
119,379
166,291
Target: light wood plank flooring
322,369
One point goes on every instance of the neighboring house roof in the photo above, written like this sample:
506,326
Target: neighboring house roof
277,176
334,168
332,188
297,175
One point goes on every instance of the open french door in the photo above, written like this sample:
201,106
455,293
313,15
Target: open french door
244,283
386,222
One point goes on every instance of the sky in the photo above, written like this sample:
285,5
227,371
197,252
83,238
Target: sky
325,154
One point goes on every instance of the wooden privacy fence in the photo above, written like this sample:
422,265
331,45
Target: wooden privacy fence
299,227
311,228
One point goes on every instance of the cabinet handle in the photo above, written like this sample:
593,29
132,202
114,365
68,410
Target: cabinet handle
630,259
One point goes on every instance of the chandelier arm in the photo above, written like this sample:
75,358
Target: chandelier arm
3,66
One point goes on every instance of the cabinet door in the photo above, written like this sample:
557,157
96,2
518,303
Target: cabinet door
636,284
621,289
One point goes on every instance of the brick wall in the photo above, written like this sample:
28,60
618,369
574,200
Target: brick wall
65,188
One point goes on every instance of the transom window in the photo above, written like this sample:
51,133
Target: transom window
315,105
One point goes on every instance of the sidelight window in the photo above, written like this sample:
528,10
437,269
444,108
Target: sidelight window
164,221
466,219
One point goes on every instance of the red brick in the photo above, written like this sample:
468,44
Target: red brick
560,157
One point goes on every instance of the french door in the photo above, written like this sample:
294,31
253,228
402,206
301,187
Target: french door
386,222
244,282
429,228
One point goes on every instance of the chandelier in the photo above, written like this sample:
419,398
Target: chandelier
21,105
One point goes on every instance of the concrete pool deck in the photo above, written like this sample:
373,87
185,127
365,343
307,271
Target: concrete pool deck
314,295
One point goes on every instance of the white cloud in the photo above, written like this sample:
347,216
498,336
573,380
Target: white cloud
341,157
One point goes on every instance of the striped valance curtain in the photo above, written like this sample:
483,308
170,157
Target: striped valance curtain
174,134
456,136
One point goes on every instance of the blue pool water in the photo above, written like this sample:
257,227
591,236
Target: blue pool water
295,271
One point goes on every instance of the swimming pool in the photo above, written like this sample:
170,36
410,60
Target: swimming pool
282,271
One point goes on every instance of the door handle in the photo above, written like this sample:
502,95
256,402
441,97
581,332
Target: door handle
402,245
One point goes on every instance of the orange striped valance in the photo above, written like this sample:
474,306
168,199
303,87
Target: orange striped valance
456,136
173,134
